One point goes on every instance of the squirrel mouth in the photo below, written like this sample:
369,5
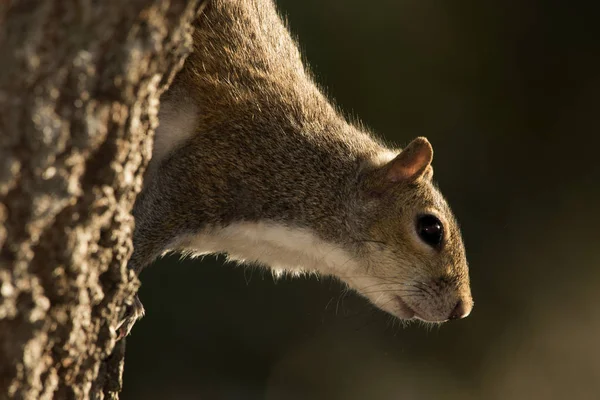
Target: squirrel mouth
405,312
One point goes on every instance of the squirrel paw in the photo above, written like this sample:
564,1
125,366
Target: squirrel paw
133,312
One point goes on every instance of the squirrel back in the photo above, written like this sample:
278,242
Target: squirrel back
252,160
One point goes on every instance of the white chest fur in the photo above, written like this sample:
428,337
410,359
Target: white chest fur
282,248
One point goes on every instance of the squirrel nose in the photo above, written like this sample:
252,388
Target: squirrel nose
459,311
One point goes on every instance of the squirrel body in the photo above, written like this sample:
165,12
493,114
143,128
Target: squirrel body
252,160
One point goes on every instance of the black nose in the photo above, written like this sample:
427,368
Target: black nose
458,311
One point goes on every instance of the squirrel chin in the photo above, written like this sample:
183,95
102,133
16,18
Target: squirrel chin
404,310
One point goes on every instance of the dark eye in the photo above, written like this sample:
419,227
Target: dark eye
430,230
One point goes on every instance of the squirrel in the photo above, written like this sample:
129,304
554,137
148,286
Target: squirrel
251,159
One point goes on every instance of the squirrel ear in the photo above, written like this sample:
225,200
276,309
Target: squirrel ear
428,174
412,163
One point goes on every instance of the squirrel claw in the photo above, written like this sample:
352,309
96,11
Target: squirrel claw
133,312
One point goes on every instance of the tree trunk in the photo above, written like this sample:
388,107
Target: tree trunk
79,88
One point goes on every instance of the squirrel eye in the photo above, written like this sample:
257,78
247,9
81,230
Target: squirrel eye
430,230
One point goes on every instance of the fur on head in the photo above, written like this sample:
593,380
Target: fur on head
413,257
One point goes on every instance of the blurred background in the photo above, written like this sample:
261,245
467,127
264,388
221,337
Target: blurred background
508,93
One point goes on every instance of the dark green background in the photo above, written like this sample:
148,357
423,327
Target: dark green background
508,93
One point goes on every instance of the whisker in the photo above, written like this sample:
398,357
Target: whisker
414,292
426,288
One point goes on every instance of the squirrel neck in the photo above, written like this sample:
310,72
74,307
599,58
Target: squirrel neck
267,167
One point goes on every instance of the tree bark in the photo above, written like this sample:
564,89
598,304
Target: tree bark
79,89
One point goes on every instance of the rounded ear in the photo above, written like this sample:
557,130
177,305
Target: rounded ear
412,163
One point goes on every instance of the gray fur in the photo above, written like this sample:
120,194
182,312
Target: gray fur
269,146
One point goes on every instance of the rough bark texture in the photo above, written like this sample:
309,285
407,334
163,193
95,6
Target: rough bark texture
79,89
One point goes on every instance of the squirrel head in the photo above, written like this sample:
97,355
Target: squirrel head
413,253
